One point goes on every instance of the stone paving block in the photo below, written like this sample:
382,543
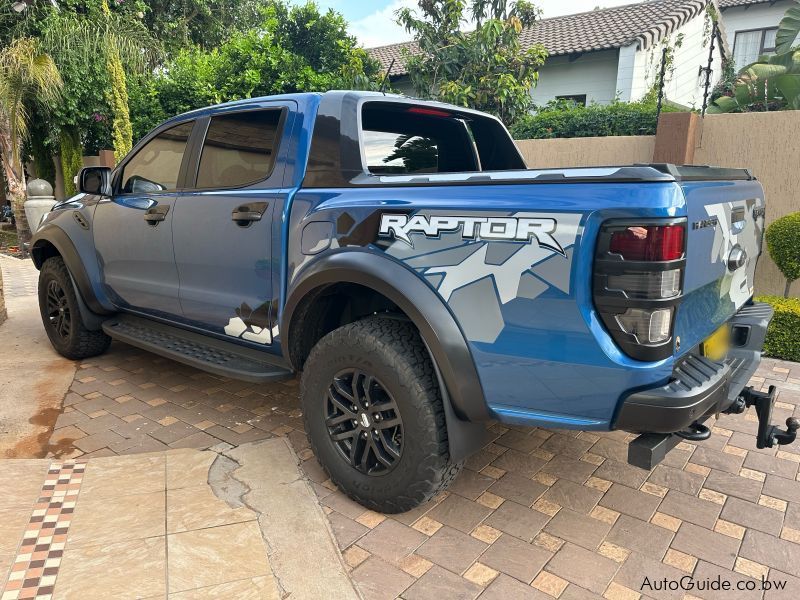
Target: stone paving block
622,473
392,540
690,508
640,536
440,583
514,461
771,465
612,449
710,571
583,568
95,441
642,573
470,484
518,489
346,531
773,552
631,502
520,441
566,445
707,545
669,477
566,467
785,489
460,513
517,520
174,432
714,459
378,580
451,549
577,528
735,485
508,588
514,557
573,496
752,515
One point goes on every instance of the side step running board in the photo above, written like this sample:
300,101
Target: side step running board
196,350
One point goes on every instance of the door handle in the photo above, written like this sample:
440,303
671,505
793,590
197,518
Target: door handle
156,214
246,214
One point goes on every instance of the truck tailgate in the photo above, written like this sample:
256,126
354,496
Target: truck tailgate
725,232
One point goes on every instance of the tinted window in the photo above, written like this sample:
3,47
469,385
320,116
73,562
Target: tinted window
156,166
397,139
239,149
398,153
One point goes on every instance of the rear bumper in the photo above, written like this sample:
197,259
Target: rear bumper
700,387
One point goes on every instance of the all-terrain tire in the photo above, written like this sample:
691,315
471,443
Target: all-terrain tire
391,351
57,300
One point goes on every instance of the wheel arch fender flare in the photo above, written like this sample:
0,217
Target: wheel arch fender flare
461,387
56,237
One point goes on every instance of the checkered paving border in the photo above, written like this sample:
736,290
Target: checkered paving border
35,567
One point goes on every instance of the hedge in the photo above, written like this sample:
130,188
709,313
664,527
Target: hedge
566,120
783,335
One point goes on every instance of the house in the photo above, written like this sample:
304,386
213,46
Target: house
751,26
601,55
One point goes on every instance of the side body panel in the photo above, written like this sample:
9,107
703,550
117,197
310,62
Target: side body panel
524,307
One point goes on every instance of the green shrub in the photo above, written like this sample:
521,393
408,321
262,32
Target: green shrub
783,242
567,120
783,335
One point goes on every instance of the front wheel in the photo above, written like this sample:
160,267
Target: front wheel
61,316
374,415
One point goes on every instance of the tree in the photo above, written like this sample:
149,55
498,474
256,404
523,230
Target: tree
202,23
485,68
27,76
293,49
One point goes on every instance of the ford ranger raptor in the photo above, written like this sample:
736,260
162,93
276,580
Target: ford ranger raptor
402,257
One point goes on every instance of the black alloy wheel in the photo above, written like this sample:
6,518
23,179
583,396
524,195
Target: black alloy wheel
364,422
57,307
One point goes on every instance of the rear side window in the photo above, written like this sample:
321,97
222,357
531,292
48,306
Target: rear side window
156,166
404,138
239,149
397,140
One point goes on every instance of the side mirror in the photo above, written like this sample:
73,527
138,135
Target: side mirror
95,180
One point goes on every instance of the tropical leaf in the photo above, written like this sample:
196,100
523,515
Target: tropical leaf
789,86
724,104
788,30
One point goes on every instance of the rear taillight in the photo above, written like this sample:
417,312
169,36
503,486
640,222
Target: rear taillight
649,242
638,279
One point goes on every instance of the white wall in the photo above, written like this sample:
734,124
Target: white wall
755,16
685,84
593,74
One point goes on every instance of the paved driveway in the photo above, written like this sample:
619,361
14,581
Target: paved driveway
535,514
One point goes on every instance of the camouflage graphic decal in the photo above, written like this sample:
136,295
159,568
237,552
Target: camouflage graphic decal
477,276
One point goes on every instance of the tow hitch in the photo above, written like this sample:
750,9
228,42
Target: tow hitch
768,435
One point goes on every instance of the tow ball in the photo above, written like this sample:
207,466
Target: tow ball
769,435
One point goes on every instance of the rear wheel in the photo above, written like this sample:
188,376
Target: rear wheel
375,417
61,316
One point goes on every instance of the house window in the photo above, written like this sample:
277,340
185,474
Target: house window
749,45
579,99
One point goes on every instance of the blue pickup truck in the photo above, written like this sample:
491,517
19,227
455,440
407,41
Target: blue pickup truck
402,257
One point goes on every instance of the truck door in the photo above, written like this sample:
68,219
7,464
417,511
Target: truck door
133,228
224,225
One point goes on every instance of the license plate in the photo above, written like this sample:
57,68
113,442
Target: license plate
716,345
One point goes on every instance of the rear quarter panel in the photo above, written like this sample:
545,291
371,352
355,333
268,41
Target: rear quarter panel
542,356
